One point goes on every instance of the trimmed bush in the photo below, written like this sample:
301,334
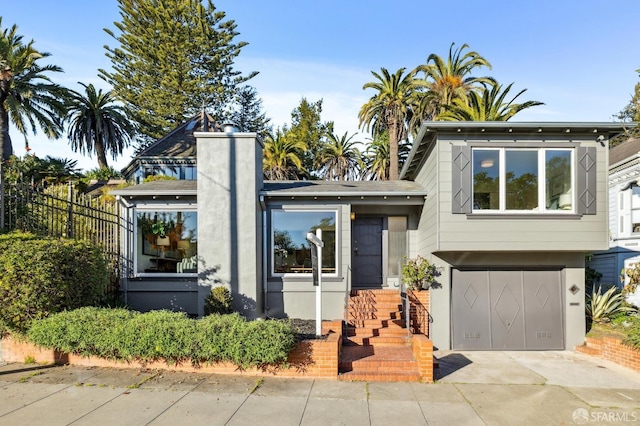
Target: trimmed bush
123,335
88,331
158,334
41,276
218,301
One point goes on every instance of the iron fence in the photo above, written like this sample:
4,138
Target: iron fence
61,211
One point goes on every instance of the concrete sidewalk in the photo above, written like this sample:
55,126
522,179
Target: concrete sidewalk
501,388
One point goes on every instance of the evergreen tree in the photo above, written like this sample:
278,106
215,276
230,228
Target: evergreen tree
308,129
174,56
247,112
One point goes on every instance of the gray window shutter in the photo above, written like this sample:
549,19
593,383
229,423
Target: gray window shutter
461,179
586,180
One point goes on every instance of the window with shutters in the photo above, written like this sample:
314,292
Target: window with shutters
522,180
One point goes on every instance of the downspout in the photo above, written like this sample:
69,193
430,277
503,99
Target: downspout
265,267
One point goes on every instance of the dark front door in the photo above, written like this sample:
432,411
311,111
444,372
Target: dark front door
366,257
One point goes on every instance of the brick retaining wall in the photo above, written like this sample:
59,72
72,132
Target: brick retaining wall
612,349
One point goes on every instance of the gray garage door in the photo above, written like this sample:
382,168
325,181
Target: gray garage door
507,309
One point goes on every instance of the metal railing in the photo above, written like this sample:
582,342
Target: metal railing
417,316
347,297
61,211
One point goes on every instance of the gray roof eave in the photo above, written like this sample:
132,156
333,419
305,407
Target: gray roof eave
158,192
334,194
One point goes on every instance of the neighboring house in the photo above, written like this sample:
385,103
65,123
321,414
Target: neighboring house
174,154
507,212
624,214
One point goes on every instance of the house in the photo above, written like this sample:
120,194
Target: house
506,211
624,214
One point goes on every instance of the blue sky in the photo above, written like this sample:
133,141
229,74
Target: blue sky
577,56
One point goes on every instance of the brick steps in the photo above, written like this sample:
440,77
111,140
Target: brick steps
376,345
591,347
378,363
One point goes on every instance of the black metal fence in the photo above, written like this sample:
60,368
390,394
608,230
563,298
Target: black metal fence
61,211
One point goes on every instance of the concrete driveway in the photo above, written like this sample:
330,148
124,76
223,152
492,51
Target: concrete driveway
495,388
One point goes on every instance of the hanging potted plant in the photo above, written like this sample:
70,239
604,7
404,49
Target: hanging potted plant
418,273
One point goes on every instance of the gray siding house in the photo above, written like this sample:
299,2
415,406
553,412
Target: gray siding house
506,210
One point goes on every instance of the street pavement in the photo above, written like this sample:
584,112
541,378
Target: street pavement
472,388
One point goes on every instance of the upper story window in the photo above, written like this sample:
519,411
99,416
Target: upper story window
167,241
290,249
635,209
522,180
178,171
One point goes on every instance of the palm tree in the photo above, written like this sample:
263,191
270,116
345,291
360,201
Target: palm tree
27,95
97,125
339,158
450,79
390,109
376,157
490,105
281,157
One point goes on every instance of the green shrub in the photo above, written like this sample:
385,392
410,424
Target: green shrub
41,276
88,331
159,334
218,337
125,335
218,301
602,307
418,273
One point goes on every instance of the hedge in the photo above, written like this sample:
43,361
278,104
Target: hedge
40,276
119,334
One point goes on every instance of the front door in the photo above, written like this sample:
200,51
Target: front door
366,258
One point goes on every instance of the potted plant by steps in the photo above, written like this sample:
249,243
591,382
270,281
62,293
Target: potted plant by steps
418,273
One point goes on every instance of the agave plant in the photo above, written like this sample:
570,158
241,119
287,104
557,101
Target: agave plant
601,307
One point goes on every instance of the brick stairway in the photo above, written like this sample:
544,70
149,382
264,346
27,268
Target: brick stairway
376,345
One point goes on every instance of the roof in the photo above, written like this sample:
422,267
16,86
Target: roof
180,143
429,129
159,188
288,189
320,188
624,151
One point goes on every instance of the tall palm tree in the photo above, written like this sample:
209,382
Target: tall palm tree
97,124
449,79
390,108
490,105
28,97
282,157
376,158
338,158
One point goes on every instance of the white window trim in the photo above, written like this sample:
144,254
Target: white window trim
541,180
157,208
304,275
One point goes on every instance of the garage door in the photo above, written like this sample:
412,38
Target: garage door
507,309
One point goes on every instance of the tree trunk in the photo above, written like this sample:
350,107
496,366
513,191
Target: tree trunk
6,149
393,151
102,157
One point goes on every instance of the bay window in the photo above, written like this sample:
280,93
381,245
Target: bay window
290,249
166,241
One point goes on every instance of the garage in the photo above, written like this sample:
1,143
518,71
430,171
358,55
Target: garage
507,309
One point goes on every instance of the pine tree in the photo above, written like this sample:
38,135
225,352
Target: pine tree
247,112
174,56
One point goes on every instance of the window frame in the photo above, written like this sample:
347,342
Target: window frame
541,181
304,275
185,208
